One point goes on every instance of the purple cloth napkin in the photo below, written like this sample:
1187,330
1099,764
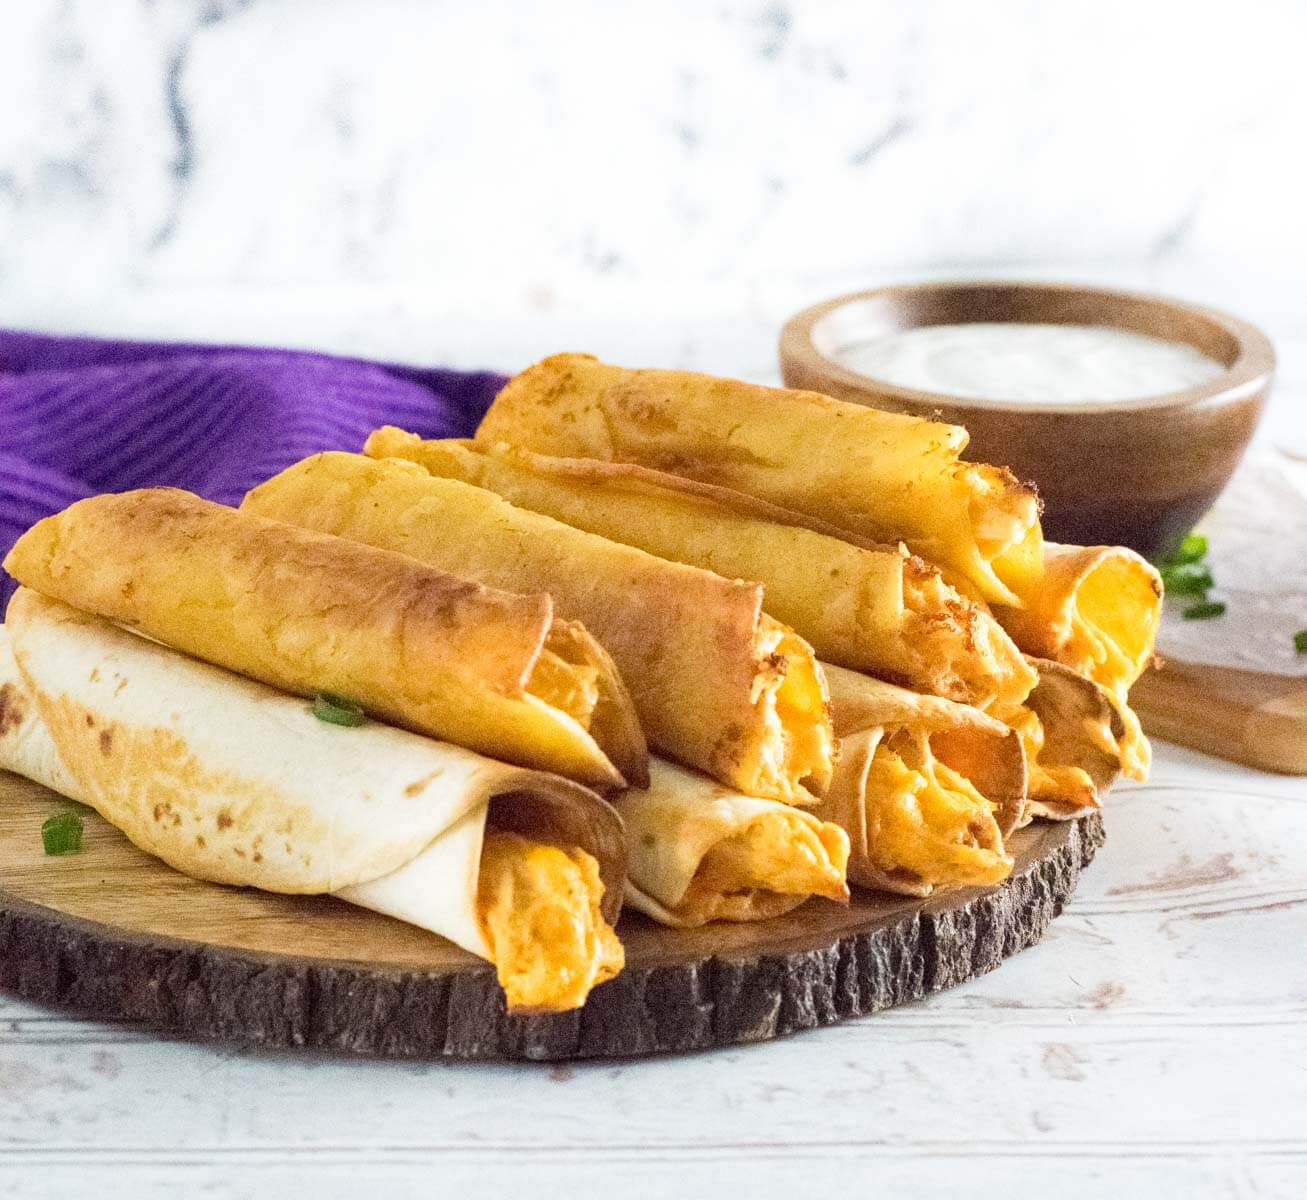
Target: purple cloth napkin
84,415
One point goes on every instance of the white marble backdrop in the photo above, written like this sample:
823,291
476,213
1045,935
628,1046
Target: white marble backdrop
485,180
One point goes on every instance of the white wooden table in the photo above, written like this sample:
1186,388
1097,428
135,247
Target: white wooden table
1154,1045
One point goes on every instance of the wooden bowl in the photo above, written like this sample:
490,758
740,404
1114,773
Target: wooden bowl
1138,473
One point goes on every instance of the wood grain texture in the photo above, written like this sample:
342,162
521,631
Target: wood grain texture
1250,717
114,933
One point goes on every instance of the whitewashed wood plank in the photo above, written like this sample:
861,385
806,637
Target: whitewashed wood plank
892,1083
780,1174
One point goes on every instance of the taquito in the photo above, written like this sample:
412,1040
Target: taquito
699,852
882,475
718,684
231,781
872,608
304,612
926,789
1096,610
1075,740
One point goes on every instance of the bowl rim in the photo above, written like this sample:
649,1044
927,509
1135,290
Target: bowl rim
1252,368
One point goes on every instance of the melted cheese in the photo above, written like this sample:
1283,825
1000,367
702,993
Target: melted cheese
539,908
571,688
1061,786
796,747
1005,524
928,821
775,853
1108,635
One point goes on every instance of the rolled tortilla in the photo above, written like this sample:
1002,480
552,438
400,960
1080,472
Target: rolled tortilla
718,684
699,852
1075,741
926,789
881,475
872,608
1096,610
305,613
228,780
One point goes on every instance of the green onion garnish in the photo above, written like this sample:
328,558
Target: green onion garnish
1205,610
62,834
1300,641
336,710
1192,549
1187,579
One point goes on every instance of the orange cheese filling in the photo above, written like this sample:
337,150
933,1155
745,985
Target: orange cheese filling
794,752
776,853
926,820
1060,785
539,909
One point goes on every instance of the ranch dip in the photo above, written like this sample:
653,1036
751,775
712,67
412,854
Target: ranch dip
1039,364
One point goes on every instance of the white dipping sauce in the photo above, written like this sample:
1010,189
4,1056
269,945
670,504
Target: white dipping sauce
1041,364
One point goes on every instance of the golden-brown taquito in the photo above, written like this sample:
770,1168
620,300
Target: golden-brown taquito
231,781
699,852
881,475
1075,741
718,684
926,789
1096,610
305,612
871,608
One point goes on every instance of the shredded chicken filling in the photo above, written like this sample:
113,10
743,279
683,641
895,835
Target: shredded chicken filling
774,853
796,747
570,687
538,906
1002,511
927,820
1060,785
1112,651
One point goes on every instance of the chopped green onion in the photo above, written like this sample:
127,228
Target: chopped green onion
1187,579
336,710
1205,610
62,834
1192,549
1300,641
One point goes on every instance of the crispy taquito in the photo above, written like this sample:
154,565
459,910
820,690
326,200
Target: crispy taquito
305,612
718,684
1096,610
926,789
1075,740
699,852
881,475
231,781
871,608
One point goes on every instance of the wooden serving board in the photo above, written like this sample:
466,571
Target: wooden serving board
1249,717
1252,708
114,933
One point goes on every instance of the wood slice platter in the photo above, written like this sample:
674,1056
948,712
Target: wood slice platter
114,933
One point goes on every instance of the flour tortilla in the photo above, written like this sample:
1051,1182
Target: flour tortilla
869,607
683,816
1096,610
417,647
231,781
717,682
881,475
981,749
